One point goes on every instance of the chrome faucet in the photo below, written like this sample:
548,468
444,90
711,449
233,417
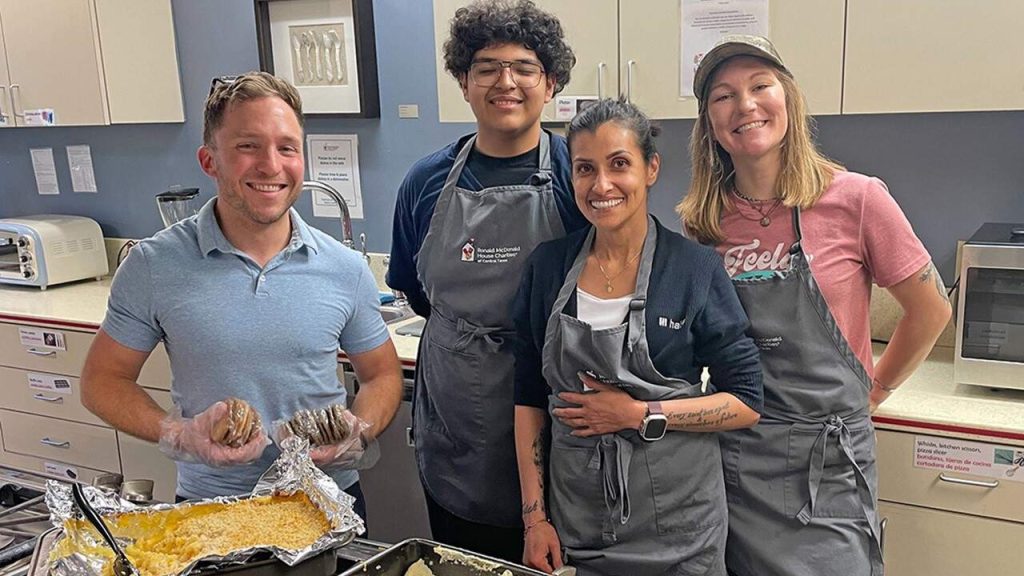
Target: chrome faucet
346,218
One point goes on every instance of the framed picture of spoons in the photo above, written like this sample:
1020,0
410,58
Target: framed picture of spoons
326,49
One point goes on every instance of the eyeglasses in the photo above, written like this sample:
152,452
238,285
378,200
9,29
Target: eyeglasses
487,73
218,80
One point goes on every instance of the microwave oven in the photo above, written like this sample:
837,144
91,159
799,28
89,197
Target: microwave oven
50,249
990,309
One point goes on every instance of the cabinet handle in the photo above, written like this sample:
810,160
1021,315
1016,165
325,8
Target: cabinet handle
629,80
3,97
881,537
45,398
55,443
966,482
600,79
15,96
34,351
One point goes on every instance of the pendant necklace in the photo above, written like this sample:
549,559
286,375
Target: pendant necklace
608,279
766,214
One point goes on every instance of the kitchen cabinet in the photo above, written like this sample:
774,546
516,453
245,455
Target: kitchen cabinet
633,48
927,56
93,62
45,430
945,523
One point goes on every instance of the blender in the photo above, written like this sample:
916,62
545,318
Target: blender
177,204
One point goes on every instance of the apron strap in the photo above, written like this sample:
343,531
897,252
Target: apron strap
612,456
834,426
494,336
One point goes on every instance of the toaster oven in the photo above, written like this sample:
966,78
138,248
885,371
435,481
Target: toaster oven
50,249
990,308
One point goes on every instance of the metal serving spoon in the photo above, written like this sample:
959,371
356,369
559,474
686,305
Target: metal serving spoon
122,566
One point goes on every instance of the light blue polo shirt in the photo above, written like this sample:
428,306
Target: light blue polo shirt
267,335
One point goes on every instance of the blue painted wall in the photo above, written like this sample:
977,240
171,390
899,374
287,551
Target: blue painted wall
950,172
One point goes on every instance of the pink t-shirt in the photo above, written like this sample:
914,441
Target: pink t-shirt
854,235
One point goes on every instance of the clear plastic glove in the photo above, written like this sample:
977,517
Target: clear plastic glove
189,439
355,451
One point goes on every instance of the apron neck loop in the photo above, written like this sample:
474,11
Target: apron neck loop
796,247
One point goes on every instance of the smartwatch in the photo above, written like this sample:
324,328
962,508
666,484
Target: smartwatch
654,424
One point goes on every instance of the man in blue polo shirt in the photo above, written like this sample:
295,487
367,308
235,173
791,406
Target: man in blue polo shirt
250,302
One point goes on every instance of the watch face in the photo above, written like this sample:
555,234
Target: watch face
654,427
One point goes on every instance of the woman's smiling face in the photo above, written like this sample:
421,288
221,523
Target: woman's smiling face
610,176
747,109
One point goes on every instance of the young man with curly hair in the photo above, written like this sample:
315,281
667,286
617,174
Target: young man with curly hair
467,217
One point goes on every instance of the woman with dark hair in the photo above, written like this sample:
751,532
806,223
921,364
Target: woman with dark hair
616,323
467,217
803,240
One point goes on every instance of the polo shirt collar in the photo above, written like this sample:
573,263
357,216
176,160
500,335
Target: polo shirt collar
211,237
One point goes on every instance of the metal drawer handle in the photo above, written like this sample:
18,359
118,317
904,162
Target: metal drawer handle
966,482
56,443
36,352
45,398
881,538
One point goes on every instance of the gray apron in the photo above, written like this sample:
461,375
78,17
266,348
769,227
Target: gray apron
622,505
805,474
463,409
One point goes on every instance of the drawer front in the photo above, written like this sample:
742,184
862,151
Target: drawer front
141,459
49,468
60,441
156,372
39,357
923,542
44,394
900,481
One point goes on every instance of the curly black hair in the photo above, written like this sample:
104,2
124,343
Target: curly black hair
493,22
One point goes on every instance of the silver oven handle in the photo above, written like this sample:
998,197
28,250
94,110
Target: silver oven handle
56,443
966,482
36,352
45,398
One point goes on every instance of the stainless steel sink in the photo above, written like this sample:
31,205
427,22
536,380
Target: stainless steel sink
392,313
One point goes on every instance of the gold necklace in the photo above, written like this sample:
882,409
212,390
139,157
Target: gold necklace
608,279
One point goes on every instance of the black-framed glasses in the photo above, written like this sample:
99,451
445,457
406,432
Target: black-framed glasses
487,73
218,80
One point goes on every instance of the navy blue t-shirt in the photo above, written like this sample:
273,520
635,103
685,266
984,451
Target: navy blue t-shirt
422,186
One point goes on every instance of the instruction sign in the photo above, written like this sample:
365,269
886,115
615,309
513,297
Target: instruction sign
952,455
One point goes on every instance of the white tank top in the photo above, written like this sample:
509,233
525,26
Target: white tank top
601,313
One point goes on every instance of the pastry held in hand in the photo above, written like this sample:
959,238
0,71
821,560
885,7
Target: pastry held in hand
323,426
238,426
337,437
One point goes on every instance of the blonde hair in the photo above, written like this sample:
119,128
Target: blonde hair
804,177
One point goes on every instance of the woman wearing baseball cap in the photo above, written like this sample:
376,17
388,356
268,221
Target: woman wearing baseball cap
803,240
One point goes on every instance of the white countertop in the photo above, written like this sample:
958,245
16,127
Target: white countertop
929,400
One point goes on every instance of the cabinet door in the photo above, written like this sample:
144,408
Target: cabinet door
590,29
807,33
923,542
6,111
54,59
140,62
927,56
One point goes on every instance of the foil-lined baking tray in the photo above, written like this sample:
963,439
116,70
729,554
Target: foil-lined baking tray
292,472
440,559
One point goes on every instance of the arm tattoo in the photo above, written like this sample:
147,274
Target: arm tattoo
704,417
538,461
932,274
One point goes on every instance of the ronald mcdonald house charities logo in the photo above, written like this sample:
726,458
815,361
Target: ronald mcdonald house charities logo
471,252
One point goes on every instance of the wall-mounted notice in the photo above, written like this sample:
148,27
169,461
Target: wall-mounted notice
83,179
952,455
44,169
705,21
334,160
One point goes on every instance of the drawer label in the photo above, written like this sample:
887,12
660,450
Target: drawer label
62,470
37,338
49,383
979,459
